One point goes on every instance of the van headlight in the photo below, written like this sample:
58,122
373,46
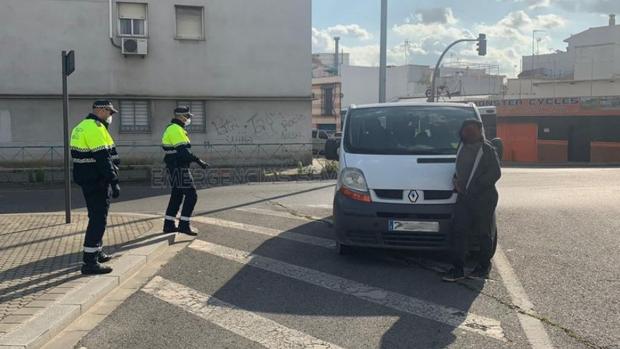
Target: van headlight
352,184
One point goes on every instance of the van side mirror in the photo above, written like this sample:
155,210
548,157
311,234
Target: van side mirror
498,144
331,149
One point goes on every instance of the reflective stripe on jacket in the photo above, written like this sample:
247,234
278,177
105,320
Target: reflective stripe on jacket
93,152
177,146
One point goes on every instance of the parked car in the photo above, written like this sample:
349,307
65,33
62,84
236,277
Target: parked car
319,138
396,163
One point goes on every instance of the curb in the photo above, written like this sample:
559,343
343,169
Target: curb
47,324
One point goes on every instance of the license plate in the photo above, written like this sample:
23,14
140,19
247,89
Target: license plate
414,226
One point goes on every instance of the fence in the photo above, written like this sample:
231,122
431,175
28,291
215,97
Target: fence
232,155
143,162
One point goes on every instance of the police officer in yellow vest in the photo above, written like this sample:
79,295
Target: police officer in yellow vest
95,170
177,147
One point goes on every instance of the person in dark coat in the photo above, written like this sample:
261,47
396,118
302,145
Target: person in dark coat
477,171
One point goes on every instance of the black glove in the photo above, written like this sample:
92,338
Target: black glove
116,190
202,164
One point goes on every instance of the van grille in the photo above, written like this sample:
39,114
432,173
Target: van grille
438,194
389,194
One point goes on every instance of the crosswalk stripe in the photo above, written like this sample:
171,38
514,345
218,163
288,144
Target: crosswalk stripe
447,315
289,235
273,213
282,214
533,328
244,323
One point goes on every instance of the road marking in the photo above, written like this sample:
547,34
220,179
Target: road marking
274,213
282,214
321,206
533,328
288,235
415,306
244,323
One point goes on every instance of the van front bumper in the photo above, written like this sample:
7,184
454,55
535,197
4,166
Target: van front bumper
367,224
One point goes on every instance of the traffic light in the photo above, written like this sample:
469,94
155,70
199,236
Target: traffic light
482,45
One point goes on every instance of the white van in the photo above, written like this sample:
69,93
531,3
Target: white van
396,166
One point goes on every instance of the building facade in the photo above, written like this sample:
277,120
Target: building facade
246,80
360,85
326,103
565,106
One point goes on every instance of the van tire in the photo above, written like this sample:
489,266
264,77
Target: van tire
343,250
495,238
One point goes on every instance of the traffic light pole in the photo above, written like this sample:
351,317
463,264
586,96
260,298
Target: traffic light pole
68,66
433,97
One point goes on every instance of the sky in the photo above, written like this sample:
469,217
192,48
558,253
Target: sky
430,26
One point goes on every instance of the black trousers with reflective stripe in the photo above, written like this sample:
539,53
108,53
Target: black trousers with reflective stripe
183,192
97,197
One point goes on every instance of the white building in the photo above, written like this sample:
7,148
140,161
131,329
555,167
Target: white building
247,80
589,67
360,85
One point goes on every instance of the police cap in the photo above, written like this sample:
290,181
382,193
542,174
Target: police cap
103,103
183,111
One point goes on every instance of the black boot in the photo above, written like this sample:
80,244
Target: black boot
169,227
185,228
92,267
103,257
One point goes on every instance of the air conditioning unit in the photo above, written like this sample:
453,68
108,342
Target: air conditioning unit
134,46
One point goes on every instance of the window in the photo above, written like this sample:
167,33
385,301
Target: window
132,19
197,108
189,22
135,116
410,130
327,105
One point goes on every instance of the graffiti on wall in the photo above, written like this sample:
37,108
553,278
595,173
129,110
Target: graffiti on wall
260,126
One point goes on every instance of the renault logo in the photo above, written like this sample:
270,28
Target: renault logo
414,196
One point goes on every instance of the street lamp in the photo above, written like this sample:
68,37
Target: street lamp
482,51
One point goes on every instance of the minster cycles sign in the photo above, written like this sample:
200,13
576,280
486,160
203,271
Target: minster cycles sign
560,106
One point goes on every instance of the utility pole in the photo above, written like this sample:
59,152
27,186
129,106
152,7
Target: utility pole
383,52
407,47
68,67
337,56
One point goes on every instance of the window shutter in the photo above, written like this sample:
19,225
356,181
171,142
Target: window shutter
141,115
132,11
127,112
189,22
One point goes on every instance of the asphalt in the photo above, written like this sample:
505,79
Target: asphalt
558,229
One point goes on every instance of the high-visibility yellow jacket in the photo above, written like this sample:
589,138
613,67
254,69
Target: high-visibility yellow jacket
94,155
177,146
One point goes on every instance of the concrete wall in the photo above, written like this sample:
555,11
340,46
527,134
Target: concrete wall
254,77
245,53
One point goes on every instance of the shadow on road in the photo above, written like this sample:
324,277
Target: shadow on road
264,292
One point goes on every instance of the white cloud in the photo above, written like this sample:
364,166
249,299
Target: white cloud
508,39
435,15
323,39
534,4
351,30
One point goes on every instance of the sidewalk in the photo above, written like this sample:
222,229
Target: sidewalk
40,259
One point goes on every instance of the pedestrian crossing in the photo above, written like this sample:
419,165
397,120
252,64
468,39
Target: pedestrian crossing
254,326
244,323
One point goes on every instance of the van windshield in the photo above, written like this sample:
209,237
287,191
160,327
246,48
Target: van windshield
407,130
